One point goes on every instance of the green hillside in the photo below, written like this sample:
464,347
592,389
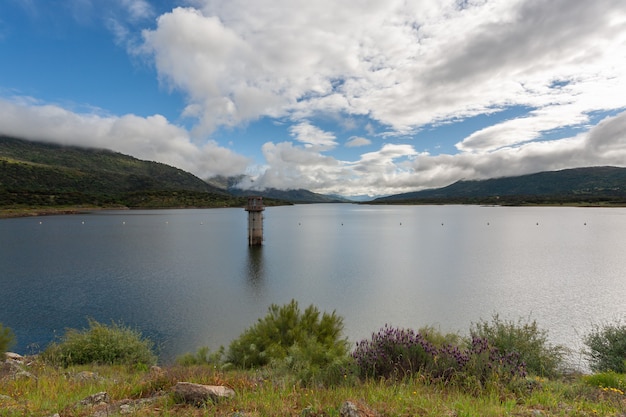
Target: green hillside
37,174
592,185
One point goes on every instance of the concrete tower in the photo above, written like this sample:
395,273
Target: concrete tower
255,220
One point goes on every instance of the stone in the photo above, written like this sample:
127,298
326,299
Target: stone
351,409
14,356
87,376
11,369
199,394
95,399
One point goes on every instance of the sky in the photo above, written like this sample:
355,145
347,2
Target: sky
353,97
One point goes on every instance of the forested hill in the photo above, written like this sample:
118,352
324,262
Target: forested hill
44,174
592,185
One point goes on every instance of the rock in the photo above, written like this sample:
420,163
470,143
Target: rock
14,356
87,376
95,399
12,369
198,394
350,409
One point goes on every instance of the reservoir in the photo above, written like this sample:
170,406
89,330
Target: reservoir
187,278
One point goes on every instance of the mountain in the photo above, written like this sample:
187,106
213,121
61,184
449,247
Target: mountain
44,174
294,196
579,185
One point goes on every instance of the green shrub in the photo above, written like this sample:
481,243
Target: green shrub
101,344
284,328
7,340
607,348
312,364
524,339
203,356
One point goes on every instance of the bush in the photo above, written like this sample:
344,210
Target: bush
607,348
394,353
7,340
284,328
203,356
397,353
524,339
312,364
101,344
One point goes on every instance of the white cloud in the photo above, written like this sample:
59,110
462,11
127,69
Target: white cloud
357,141
400,168
312,136
149,138
403,64
137,9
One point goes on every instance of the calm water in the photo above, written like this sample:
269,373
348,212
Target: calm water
186,278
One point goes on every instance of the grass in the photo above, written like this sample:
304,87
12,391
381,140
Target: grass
265,393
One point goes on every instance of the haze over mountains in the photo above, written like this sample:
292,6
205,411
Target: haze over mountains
43,174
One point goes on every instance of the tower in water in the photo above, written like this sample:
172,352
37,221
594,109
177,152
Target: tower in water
255,220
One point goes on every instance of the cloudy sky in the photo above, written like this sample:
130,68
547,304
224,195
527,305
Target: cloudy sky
354,97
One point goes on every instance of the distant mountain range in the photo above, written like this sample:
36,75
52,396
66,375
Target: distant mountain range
592,185
34,174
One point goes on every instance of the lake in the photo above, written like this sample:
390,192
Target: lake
187,278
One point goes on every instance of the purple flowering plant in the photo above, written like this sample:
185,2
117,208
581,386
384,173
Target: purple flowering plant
397,353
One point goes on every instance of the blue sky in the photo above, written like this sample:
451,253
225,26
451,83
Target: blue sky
353,98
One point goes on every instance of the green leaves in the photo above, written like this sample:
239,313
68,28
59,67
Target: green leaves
283,328
101,344
7,339
607,348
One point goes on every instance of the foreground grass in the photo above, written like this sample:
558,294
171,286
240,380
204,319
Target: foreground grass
145,392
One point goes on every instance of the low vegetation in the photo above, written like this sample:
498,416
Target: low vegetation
606,348
526,339
294,362
7,339
101,344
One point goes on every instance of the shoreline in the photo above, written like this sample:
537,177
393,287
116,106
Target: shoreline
52,211
10,213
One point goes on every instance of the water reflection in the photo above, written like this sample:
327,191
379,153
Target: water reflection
255,269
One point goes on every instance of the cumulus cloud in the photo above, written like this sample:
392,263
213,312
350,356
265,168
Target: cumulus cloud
403,64
312,136
150,138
